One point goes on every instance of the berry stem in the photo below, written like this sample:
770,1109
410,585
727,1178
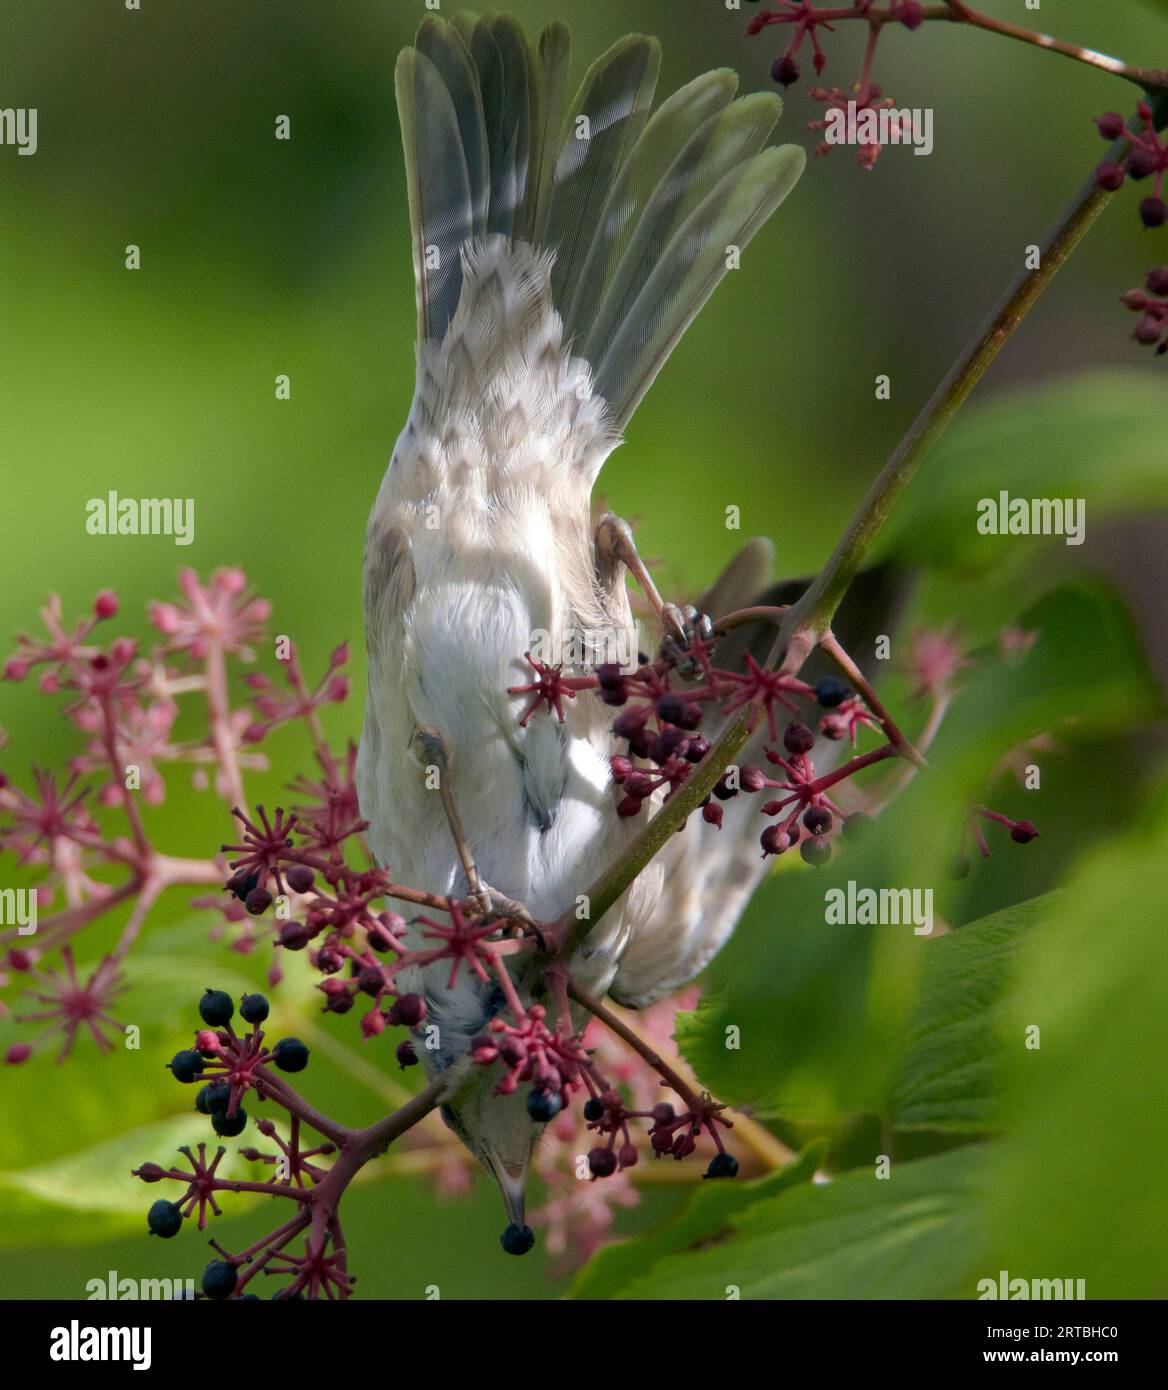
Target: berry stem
654,1059
848,667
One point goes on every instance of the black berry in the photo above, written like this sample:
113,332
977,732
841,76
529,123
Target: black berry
722,1165
594,1109
186,1065
213,1097
290,1054
543,1106
216,1008
253,1008
219,1279
228,1126
164,1219
517,1240
831,692
817,819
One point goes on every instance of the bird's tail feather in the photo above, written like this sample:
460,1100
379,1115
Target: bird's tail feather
640,210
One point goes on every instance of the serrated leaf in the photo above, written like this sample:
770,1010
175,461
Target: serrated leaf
911,1235
705,1217
949,1078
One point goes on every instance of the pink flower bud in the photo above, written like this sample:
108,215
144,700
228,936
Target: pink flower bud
17,1053
105,605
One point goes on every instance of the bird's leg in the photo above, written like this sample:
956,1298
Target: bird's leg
680,623
431,748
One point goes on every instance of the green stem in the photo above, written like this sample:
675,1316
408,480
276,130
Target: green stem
815,610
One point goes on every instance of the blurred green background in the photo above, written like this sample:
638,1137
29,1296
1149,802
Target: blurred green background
262,257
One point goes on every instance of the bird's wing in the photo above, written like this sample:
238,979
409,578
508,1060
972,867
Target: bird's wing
641,211
709,874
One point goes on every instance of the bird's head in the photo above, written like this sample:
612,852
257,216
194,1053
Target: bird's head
501,1134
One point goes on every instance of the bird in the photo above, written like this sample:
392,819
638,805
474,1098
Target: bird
562,244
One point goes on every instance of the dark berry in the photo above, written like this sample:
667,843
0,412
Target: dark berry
290,1054
405,1054
164,1219
912,15
294,936
186,1065
219,1279
299,878
1140,164
785,71
798,738
774,840
594,1109
242,884
712,814
216,1008
257,901
722,1165
723,790
408,1009
671,708
697,748
517,1240
543,1106
1111,125
831,692
1109,176
253,1008
1023,833
691,717
602,1163
817,819
752,778
213,1097
815,852
1153,212
1158,280
228,1126
663,1112
958,867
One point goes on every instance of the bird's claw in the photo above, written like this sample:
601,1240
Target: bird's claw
683,623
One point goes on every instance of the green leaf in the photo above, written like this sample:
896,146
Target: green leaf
705,1217
949,1078
1079,1188
1098,436
90,1195
911,1235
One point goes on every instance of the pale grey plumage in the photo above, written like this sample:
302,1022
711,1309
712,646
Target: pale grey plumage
560,250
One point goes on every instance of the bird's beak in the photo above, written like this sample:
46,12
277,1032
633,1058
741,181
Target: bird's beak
512,1180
